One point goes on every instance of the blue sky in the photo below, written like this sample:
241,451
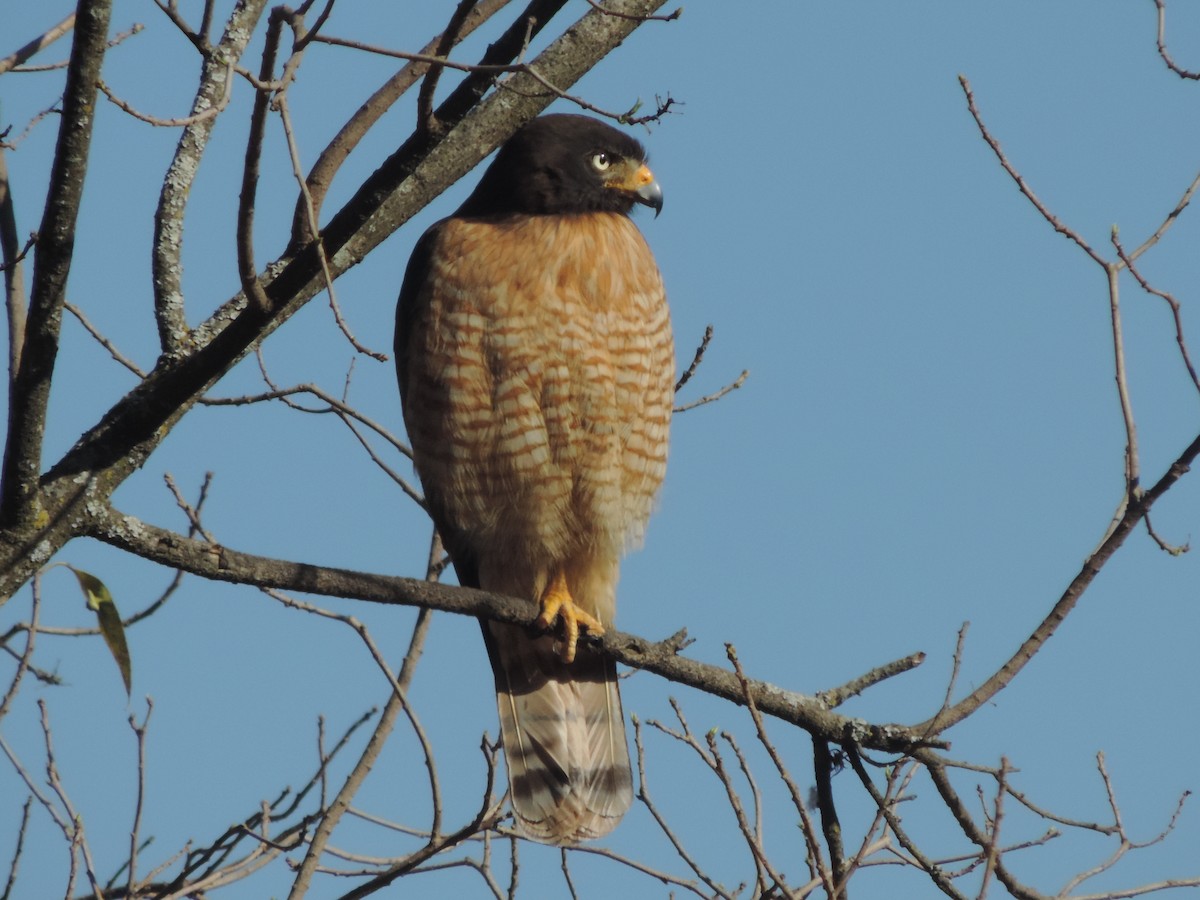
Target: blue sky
929,433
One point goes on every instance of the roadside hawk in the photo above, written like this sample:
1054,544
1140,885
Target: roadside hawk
536,368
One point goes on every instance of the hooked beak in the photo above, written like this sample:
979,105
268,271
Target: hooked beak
648,192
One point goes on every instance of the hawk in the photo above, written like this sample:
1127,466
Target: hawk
536,369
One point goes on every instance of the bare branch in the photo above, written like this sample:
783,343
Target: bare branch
27,653
118,38
1187,74
1132,465
56,240
1176,309
643,795
697,358
203,115
15,864
824,768
139,732
224,564
14,278
884,805
215,82
816,861
75,834
310,210
103,341
426,118
247,270
717,395
1130,517
37,44
1022,185
941,780
395,705
839,695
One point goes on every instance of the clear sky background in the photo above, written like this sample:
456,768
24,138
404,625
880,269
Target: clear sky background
929,434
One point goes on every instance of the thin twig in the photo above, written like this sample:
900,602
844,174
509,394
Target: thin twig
1132,465
697,358
625,118
27,654
1020,181
882,803
1175,306
140,733
15,863
815,859
76,834
326,272
119,38
38,44
717,395
992,851
644,797
391,710
203,115
1170,219
955,668
1161,6
103,341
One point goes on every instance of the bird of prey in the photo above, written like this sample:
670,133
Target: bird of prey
536,369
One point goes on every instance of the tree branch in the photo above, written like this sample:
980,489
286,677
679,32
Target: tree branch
30,393
1133,513
223,564
392,709
14,281
38,44
167,255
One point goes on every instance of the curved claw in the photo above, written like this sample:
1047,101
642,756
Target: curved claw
557,604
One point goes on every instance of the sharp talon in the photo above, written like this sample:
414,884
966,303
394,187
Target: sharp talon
557,604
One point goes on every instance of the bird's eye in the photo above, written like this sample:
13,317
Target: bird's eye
601,161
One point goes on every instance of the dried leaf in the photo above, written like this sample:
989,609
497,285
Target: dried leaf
100,601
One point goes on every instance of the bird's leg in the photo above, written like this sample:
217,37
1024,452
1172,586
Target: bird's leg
557,603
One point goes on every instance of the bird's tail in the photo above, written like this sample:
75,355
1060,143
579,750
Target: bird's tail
564,737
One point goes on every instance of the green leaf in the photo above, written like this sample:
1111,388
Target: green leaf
100,601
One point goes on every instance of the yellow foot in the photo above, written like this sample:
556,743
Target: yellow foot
558,604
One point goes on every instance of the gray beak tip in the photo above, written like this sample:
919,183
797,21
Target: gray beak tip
651,195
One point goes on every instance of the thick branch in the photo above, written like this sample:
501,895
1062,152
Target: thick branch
56,245
167,256
223,564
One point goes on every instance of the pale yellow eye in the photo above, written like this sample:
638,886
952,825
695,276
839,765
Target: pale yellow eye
601,161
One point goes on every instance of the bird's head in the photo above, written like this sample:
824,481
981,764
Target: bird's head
565,164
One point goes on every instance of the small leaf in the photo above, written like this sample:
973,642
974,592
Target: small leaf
100,601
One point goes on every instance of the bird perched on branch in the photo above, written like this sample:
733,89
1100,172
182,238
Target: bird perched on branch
536,365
